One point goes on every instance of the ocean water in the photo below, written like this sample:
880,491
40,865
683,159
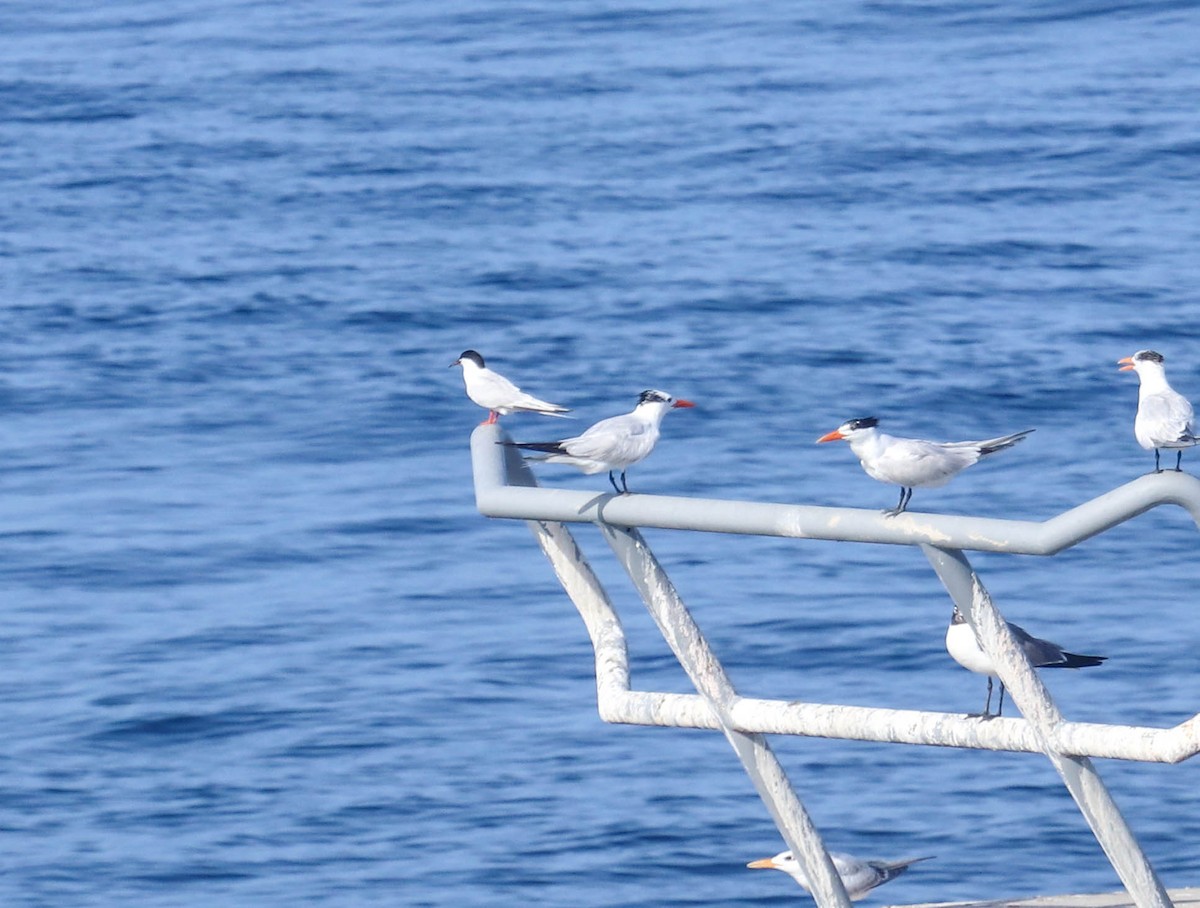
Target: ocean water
259,647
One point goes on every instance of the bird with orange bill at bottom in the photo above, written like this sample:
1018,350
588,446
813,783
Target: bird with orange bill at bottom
858,876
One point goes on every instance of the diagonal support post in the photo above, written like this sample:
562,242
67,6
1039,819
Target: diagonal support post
705,671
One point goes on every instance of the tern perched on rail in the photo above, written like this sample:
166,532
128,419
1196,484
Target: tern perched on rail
859,877
913,463
965,650
612,444
497,394
1164,416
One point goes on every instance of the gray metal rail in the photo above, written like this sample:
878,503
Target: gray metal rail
505,487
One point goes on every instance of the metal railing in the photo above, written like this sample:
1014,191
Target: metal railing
505,487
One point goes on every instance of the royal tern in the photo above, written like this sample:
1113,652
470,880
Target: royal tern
964,649
912,463
1164,416
612,444
859,877
497,394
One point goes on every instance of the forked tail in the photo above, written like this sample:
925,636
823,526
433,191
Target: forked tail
992,445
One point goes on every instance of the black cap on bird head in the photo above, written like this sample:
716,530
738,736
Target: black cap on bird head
655,396
472,356
865,422
662,397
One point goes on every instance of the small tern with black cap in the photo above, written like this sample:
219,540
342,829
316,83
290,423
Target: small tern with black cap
913,463
497,394
612,444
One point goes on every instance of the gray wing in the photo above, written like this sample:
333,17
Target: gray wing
889,870
916,462
1169,416
1047,654
1041,653
609,439
491,389
503,394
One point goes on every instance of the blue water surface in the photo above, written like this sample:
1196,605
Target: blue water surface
259,647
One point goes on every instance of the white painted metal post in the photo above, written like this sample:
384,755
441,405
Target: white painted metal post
1026,689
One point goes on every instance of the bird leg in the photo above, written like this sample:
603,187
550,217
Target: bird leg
1000,708
624,484
987,707
616,488
1157,468
905,497
492,417
1178,460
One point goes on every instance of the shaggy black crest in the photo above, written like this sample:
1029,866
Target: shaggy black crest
1150,355
867,422
473,357
647,396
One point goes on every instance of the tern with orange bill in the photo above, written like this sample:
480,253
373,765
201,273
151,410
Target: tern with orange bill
1164,416
858,876
612,444
913,463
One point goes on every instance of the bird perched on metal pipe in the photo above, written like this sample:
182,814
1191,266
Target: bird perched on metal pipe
1164,416
497,394
913,463
612,444
965,650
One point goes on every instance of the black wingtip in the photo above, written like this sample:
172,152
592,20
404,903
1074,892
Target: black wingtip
546,447
1007,442
1074,660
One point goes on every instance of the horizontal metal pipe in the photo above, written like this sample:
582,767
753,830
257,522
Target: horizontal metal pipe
904,726
505,473
501,490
